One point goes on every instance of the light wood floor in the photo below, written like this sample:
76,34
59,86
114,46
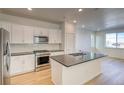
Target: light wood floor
33,78
112,74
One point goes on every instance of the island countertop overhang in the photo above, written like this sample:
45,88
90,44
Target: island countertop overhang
69,60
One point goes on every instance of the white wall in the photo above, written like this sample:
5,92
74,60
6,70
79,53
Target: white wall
27,21
100,45
30,22
83,40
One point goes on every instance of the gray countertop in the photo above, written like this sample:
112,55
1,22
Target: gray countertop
31,52
55,50
74,59
21,53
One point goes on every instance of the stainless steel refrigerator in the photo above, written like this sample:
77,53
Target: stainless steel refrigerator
4,57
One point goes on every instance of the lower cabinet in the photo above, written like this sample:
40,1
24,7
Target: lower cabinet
22,64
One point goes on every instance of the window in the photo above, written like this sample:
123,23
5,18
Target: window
111,40
120,40
115,40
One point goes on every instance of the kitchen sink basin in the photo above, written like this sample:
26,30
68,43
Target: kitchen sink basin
77,54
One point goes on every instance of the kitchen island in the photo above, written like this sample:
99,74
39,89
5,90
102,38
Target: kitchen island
76,68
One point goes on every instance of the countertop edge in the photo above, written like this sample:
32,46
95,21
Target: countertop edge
76,63
32,52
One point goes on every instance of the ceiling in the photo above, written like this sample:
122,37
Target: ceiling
93,18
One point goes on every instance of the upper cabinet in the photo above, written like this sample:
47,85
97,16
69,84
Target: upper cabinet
69,37
59,36
22,34
28,34
17,34
40,31
55,36
69,27
69,43
6,25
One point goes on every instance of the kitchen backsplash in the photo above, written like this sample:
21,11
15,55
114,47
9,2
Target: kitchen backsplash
29,47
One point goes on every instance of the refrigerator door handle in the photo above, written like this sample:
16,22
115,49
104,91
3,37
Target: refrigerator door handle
8,56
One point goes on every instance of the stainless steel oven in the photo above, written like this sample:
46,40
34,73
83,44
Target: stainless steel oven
42,59
40,39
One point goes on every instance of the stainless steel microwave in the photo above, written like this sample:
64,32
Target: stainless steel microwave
40,40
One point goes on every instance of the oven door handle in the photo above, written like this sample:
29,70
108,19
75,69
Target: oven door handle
42,55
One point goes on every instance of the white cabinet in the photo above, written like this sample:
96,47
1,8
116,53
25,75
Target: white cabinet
52,36
22,64
29,63
22,34
16,65
59,36
40,31
28,34
6,25
56,53
55,36
69,43
17,33
69,27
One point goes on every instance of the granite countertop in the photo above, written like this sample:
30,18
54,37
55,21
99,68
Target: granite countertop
32,52
21,53
76,58
55,50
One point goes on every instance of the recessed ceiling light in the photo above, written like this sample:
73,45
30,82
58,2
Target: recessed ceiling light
30,9
79,10
74,21
83,26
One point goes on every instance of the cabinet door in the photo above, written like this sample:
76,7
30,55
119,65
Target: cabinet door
17,34
29,63
44,31
69,43
6,25
28,34
37,31
69,27
40,31
16,65
56,38
59,36
52,36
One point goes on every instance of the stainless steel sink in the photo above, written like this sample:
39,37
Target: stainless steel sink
77,54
